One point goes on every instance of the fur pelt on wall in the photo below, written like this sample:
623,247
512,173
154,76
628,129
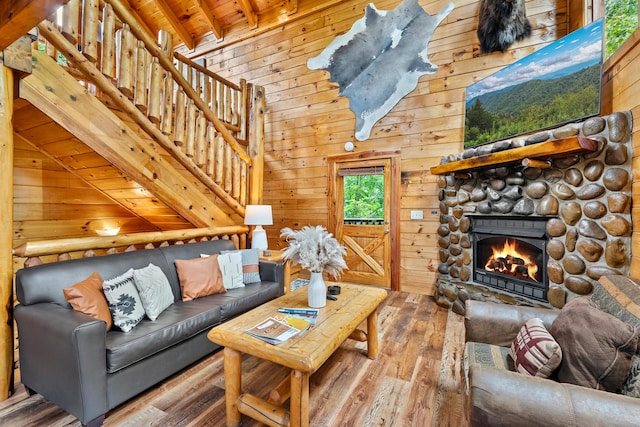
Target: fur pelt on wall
500,23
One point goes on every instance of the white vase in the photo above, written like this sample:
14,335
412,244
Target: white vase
317,291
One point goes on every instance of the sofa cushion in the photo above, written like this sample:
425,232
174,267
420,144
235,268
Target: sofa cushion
87,297
154,289
124,301
231,269
596,346
534,351
239,300
250,264
199,277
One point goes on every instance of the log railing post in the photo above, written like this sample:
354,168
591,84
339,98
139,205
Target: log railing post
6,232
256,144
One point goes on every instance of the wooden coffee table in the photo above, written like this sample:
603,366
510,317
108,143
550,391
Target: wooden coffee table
303,354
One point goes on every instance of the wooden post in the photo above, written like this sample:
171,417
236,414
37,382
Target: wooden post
256,145
6,233
232,384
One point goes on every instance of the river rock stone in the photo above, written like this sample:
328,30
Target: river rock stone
571,212
573,177
548,206
453,223
444,254
566,162
503,206
469,153
497,184
589,228
465,274
443,208
444,219
618,126
478,194
500,146
485,207
573,264
555,227
515,180
455,250
557,296
483,149
450,192
468,187
450,202
555,248
457,212
442,182
502,171
537,189
615,179
454,238
618,203
463,197
578,285
571,239
601,144
459,262
465,242
532,173
443,243
597,271
562,191
616,253
537,138
465,224
454,272
443,230
590,249
594,209
555,271
493,194
552,175
590,191
593,126
441,194
616,225
616,154
513,193
466,257
593,170
524,207
443,268
565,132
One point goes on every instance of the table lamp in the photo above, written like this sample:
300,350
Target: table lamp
258,215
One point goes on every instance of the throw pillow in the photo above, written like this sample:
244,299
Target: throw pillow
596,346
124,302
154,289
631,387
250,265
231,269
199,277
87,297
534,351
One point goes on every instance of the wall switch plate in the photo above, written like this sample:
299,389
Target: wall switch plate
416,215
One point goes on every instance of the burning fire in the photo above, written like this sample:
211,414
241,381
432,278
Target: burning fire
509,260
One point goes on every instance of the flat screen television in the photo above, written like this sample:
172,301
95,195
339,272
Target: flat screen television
558,84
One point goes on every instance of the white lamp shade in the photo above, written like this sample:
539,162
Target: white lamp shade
258,215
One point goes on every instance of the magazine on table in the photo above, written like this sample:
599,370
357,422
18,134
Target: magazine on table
283,325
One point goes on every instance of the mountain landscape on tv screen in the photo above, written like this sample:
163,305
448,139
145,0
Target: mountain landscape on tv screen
558,84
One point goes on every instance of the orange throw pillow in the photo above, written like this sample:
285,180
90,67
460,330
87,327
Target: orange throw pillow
199,277
87,297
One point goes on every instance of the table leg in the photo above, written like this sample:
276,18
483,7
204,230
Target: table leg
299,400
372,335
232,384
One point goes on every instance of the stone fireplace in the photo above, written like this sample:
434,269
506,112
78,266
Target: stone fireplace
538,232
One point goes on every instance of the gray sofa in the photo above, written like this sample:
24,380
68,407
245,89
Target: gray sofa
69,357
498,396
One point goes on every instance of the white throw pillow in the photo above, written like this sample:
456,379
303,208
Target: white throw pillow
124,301
154,289
231,268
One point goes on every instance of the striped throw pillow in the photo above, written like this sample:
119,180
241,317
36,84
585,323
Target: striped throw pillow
534,351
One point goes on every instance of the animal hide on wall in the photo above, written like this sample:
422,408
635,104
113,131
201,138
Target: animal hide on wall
500,23
380,59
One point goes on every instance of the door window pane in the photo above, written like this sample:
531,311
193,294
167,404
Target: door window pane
364,199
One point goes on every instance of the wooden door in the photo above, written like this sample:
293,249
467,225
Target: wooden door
370,238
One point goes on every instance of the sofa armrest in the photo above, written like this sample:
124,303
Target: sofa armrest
503,398
63,357
272,271
498,324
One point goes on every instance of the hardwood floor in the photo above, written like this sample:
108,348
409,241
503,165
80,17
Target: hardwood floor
415,381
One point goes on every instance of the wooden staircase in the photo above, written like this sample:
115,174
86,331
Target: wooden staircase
164,128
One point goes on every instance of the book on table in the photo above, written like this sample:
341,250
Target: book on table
284,324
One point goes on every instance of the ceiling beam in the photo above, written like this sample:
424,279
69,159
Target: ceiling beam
291,5
211,20
249,13
17,17
182,32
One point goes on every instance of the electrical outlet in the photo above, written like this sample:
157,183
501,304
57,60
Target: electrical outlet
416,215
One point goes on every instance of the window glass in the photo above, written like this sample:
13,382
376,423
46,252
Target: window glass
364,199
621,20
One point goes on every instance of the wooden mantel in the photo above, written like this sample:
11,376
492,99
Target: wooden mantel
532,153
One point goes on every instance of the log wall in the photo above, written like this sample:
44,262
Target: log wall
307,121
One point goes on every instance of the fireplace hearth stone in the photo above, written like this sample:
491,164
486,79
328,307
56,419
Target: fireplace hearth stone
586,200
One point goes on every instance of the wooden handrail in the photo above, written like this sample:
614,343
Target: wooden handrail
60,246
204,70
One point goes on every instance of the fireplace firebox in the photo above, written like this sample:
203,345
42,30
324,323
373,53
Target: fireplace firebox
509,253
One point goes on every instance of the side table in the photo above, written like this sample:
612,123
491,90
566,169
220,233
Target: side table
289,269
